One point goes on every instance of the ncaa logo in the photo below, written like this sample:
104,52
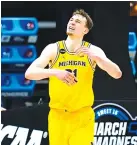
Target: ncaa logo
62,51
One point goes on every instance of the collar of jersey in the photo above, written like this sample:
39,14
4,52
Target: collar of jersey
67,48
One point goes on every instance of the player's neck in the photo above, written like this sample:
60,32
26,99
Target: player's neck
73,43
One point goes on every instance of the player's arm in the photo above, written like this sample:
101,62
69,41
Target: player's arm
36,70
97,54
105,63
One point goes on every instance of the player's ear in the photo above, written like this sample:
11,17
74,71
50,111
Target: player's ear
86,31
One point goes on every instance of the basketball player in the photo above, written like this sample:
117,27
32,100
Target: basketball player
71,69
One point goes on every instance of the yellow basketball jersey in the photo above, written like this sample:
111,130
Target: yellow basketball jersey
76,96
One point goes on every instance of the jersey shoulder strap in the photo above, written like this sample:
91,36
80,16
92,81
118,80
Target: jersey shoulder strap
60,44
86,44
92,63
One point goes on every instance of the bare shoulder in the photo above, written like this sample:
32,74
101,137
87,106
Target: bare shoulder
96,49
50,50
51,47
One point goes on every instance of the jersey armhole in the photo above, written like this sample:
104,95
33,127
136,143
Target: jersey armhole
92,63
56,58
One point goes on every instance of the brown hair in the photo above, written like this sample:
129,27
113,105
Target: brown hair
81,12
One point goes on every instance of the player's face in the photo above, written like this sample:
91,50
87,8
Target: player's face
77,26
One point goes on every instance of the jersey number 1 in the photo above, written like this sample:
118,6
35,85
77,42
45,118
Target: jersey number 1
72,71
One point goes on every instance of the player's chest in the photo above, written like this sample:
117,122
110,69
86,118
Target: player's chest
75,61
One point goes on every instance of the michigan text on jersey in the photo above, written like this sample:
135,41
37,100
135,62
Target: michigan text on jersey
71,62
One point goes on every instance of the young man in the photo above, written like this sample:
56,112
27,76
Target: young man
71,69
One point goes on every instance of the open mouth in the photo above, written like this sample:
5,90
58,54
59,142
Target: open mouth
71,28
